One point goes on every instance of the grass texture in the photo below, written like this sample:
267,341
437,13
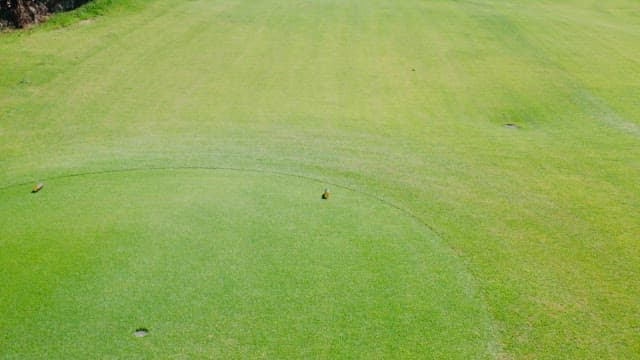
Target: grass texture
489,242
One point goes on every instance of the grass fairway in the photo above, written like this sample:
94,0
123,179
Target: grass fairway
448,235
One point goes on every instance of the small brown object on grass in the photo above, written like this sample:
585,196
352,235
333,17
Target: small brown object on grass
326,194
37,188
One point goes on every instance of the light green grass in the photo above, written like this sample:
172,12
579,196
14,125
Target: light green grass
219,263
543,220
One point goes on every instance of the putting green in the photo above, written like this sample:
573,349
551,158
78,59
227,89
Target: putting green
222,263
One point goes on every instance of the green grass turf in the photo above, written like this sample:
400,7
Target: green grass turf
224,264
538,226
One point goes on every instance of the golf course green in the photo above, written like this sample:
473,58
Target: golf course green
227,263
483,159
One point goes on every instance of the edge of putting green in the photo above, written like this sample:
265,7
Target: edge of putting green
470,332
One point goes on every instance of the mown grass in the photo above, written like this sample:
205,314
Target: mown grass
219,263
403,100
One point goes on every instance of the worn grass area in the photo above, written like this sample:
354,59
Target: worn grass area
405,100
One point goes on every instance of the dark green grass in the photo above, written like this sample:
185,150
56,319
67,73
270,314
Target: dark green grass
225,264
543,219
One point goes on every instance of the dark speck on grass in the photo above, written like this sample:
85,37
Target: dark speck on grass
141,332
511,126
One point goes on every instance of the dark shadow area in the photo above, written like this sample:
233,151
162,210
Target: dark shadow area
22,13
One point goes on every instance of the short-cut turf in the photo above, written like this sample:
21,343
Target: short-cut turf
223,264
406,100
